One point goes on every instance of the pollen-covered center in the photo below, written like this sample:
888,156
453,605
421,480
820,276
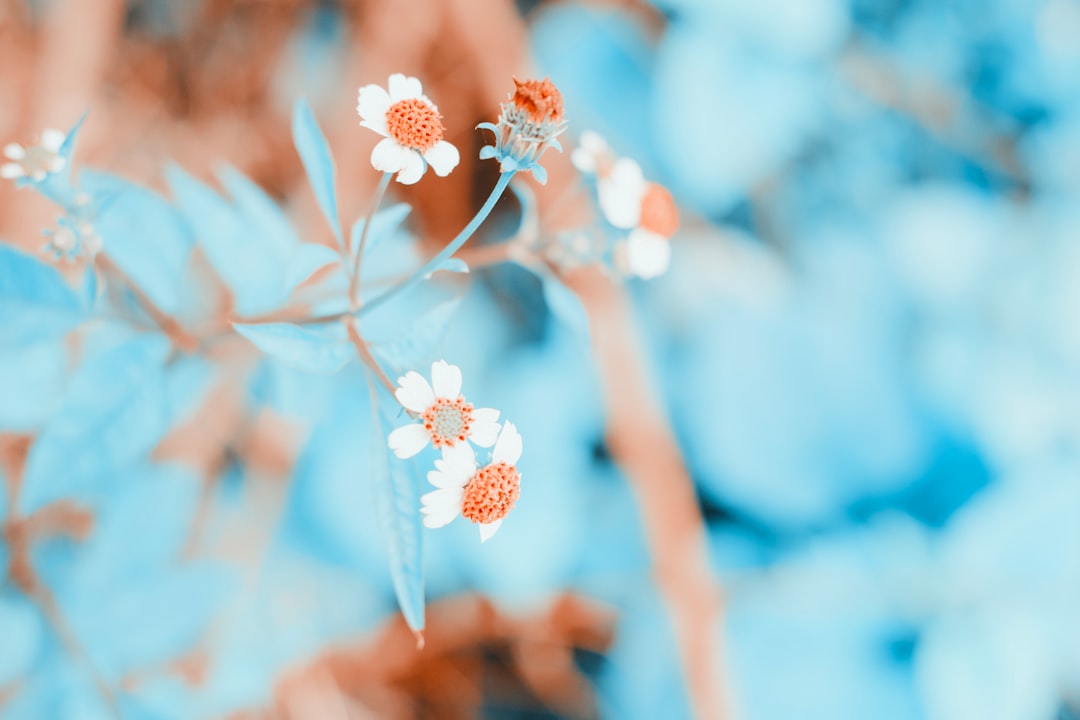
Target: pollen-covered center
448,421
414,124
38,159
540,99
659,213
491,493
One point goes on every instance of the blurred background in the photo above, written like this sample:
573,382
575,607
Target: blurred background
825,467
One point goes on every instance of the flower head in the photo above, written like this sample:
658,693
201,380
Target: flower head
530,120
36,161
443,418
483,495
74,235
630,202
412,129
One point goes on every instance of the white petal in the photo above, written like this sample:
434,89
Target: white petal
508,446
52,139
488,530
648,254
484,432
446,380
10,171
413,170
486,414
408,440
449,475
442,511
57,164
404,88
14,151
460,458
414,393
443,158
388,156
372,102
583,160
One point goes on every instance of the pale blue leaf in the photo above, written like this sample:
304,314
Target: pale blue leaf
487,152
306,259
540,173
398,502
118,406
277,233
565,305
143,234
386,222
35,302
420,344
311,144
21,629
232,245
31,384
326,350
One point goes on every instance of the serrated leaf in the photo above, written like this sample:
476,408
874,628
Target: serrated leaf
231,245
306,260
421,343
565,305
398,501
143,234
36,303
326,350
318,162
120,403
386,222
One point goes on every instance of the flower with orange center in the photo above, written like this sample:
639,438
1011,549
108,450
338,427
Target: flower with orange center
412,129
443,417
36,161
530,120
482,495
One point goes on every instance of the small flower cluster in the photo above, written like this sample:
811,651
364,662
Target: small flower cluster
529,123
443,419
630,203
35,162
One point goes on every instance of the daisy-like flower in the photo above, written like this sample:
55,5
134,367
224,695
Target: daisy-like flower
443,417
37,161
483,495
630,202
528,125
412,128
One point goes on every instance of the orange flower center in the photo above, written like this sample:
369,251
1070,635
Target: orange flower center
448,421
659,214
539,99
491,493
413,123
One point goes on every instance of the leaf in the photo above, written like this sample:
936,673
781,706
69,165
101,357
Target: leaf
565,305
306,260
316,351
35,302
120,403
143,234
420,344
276,232
385,223
232,246
311,144
398,502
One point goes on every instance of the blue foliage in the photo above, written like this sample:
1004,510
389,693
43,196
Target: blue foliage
311,144
322,350
36,303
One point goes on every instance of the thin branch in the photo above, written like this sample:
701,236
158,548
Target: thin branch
180,337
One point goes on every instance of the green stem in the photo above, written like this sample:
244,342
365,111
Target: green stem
354,277
447,251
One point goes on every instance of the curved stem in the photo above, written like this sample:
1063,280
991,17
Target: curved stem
447,251
357,264
365,354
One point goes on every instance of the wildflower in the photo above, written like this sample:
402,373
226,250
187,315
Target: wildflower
528,125
412,128
72,238
485,495
630,202
443,417
36,161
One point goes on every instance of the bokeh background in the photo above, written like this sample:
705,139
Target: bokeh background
826,467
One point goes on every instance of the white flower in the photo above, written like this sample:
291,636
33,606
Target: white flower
621,191
484,496
36,161
592,156
643,254
411,126
443,417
